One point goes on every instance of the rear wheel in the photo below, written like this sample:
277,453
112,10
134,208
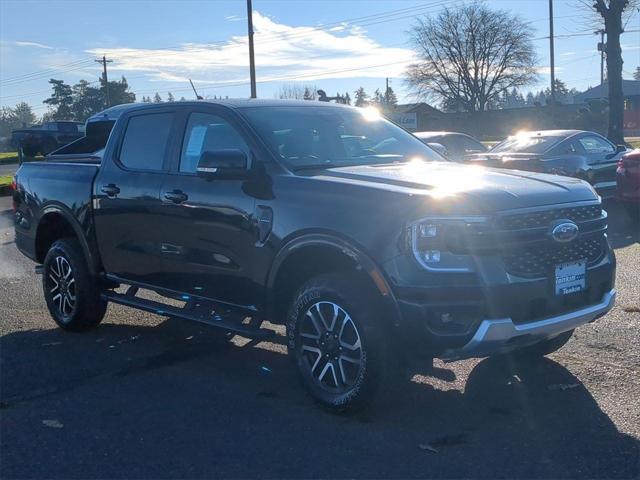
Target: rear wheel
334,337
72,295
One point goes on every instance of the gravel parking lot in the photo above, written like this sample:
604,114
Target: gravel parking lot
148,397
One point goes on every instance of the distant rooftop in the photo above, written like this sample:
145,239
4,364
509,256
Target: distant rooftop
630,88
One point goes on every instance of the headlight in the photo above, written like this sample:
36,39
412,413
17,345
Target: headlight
444,244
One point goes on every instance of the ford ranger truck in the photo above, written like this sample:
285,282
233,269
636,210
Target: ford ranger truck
364,242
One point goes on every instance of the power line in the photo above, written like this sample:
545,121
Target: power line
45,75
52,68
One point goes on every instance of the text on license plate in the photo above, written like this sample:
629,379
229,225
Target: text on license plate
570,277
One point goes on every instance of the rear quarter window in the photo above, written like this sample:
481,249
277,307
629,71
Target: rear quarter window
145,141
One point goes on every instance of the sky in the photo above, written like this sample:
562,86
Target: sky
335,45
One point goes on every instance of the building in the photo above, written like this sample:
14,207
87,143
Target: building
631,91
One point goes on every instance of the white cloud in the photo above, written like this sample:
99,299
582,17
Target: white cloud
282,52
234,18
547,70
29,44
567,54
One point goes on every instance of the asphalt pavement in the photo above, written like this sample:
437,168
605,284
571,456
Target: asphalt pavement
144,396
8,169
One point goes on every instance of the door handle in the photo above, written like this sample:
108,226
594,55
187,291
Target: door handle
176,196
110,190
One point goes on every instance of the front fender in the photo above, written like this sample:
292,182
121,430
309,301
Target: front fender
364,261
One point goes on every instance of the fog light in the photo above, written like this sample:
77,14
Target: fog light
455,322
432,256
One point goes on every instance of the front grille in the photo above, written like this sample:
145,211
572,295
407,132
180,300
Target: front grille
520,221
539,260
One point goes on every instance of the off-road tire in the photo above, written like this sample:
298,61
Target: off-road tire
73,299
360,303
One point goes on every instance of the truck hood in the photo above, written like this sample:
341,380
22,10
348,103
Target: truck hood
486,189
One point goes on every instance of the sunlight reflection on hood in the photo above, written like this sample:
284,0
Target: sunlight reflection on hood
447,182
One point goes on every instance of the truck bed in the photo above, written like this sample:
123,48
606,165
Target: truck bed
63,185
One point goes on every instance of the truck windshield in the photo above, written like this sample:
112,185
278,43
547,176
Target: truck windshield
310,137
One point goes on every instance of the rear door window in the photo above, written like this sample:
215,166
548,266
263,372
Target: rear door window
593,144
145,141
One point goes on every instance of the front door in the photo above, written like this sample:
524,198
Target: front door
210,237
127,206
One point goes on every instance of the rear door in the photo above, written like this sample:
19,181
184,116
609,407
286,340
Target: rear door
127,207
209,241
602,159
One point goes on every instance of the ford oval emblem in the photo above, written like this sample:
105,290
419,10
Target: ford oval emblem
564,232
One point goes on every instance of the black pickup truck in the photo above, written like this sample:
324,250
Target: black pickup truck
47,137
232,213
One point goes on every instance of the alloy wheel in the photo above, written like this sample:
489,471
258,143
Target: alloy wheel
331,347
62,286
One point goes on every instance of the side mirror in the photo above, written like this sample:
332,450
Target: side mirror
228,163
621,148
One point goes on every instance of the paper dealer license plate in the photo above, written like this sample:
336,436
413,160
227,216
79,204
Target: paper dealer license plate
570,277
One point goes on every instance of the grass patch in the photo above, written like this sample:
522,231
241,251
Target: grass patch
633,141
8,157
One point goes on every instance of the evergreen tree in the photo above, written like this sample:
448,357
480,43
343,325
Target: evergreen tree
87,100
170,97
378,98
636,74
60,101
24,114
182,99
157,98
119,92
390,97
347,98
307,95
362,99
531,99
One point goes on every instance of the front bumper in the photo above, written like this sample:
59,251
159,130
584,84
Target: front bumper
503,335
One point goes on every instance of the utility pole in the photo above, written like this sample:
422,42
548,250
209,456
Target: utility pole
386,93
105,79
252,62
551,55
602,48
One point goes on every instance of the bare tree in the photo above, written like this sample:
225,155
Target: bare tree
471,54
614,14
298,92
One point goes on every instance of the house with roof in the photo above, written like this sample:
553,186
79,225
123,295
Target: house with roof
631,91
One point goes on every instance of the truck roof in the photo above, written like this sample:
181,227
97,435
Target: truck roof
114,113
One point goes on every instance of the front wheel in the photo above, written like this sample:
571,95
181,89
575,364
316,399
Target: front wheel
72,295
334,337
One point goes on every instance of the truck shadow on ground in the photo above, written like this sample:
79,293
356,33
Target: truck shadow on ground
179,382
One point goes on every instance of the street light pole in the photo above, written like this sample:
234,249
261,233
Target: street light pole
551,55
252,63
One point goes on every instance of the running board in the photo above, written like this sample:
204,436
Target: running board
227,321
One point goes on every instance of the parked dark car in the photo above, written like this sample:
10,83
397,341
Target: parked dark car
457,145
322,217
628,180
573,153
44,139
